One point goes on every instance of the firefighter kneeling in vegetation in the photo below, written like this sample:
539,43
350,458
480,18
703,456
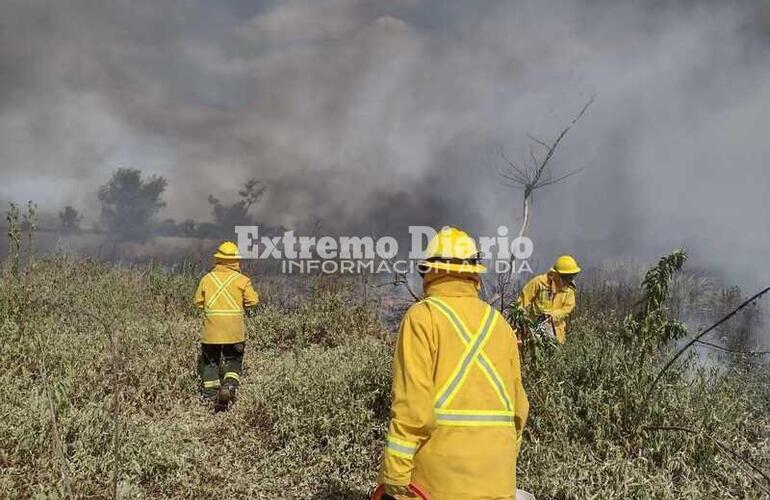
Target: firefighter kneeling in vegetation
223,294
458,404
548,299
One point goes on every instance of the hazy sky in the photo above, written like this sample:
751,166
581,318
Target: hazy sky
371,115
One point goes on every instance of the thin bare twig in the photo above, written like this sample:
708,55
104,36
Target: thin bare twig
536,175
734,351
539,141
698,337
399,280
531,178
552,148
402,279
563,177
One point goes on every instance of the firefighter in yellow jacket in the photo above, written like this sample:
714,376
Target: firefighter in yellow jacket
223,294
458,405
550,298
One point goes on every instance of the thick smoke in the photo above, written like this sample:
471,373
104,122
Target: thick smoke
367,116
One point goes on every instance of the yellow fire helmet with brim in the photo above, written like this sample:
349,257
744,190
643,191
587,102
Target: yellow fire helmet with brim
452,250
228,251
566,264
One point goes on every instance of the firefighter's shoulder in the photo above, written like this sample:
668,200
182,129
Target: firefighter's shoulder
418,312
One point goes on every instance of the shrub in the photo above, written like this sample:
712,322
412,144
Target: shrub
314,405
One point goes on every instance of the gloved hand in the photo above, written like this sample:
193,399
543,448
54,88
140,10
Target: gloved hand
398,491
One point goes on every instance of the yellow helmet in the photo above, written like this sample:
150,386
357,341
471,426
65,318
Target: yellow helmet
452,250
566,264
228,251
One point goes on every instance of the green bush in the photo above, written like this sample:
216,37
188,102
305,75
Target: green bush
583,436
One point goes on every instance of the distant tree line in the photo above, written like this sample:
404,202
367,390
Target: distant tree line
131,202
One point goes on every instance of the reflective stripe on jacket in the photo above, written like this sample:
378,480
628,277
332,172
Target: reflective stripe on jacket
222,294
459,407
544,295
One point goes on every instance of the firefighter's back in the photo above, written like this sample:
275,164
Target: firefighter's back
472,451
223,293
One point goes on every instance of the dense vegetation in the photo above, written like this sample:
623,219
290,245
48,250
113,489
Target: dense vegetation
85,346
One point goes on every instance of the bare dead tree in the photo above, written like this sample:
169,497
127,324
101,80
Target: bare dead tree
529,177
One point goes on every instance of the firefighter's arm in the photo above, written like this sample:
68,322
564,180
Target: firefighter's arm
200,298
412,419
521,404
567,305
526,295
250,296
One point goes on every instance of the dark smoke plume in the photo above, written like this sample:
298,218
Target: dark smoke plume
371,115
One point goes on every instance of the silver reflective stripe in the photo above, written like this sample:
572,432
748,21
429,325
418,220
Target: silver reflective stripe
453,317
403,449
222,287
467,361
475,418
496,381
222,291
480,358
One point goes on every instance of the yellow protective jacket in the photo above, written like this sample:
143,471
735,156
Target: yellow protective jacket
222,294
545,295
459,407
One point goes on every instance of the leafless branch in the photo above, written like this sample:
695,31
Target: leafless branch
689,344
539,141
536,175
532,156
734,351
563,177
563,133
402,279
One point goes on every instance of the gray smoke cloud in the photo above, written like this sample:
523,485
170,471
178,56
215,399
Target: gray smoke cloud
368,116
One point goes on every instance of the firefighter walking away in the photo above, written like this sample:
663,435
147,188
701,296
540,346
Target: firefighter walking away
223,294
458,404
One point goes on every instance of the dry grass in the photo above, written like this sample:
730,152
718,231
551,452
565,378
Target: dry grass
313,409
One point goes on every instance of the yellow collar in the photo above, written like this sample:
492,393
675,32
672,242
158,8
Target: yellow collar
555,282
226,266
450,285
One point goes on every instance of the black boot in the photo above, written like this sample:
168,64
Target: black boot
225,396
